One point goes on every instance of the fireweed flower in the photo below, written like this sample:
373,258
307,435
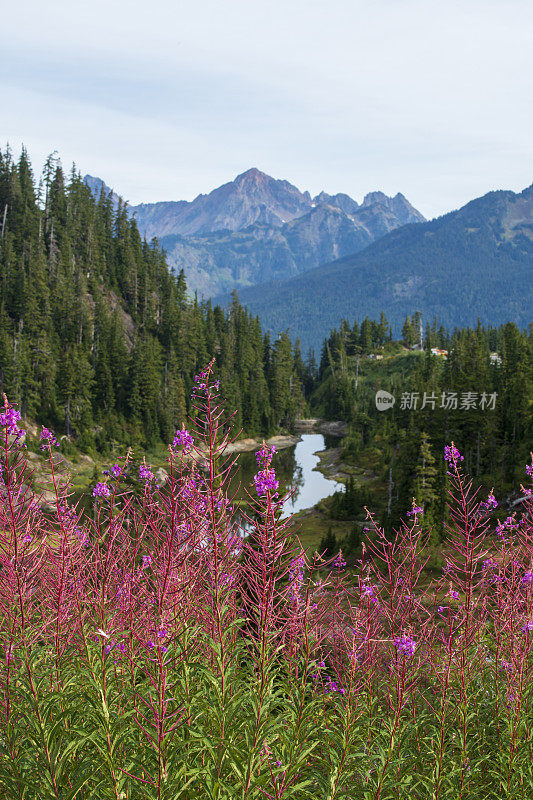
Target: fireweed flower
416,510
339,562
145,476
529,470
200,381
527,577
48,439
332,686
405,645
146,561
451,453
101,490
265,481
491,502
9,419
116,470
265,453
453,594
183,439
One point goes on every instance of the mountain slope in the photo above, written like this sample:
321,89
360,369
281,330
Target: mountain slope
475,262
224,260
252,198
256,228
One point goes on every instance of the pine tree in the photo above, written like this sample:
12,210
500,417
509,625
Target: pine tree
328,545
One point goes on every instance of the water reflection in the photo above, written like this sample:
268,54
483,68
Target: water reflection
295,469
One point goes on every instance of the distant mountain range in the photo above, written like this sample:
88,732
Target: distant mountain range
476,262
256,229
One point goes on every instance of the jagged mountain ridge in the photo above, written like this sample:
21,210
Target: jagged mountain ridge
473,263
252,198
257,228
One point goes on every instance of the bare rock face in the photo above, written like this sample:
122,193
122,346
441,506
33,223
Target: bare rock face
161,476
252,198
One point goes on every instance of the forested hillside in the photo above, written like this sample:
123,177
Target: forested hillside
100,340
475,262
477,391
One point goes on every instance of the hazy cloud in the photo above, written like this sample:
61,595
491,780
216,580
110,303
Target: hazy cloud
165,100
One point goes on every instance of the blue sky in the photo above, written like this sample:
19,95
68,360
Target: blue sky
165,100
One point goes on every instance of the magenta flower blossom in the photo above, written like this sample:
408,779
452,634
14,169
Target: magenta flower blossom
183,439
405,645
339,562
145,475
491,502
527,577
101,490
331,686
265,453
529,470
9,419
265,481
48,439
416,510
451,453
116,470
146,561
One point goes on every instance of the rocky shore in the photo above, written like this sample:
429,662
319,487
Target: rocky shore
327,427
246,445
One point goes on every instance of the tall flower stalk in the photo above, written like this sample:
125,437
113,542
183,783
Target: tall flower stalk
163,649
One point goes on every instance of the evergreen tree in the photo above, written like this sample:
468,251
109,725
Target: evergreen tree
328,545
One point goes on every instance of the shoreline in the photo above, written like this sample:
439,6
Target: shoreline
280,441
327,427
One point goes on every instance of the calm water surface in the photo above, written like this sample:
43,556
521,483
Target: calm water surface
295,468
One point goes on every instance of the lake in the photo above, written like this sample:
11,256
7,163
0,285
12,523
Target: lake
295,468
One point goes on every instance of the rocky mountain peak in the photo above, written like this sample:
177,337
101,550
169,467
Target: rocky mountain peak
252,175
374,197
